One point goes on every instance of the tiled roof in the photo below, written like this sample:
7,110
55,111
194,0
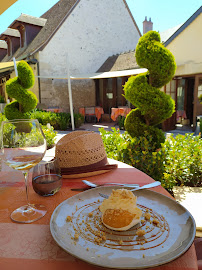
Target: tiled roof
55,17
30,19
11,32
3,44
122,61
165,35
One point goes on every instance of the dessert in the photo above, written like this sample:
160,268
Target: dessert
119,211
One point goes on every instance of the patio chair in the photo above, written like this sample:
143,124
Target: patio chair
90,116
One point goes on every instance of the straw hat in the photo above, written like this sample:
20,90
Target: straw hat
82,153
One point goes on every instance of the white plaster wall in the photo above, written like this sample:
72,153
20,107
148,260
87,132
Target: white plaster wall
186,48
95,30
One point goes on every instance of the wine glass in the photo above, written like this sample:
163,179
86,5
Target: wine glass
47,178
23,146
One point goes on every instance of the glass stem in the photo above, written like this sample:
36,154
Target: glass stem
26,176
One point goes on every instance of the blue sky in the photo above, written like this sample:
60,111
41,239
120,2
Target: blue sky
164,14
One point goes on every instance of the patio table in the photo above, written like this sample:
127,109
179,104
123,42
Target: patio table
115,112
181,114
98,112
55,110
31,246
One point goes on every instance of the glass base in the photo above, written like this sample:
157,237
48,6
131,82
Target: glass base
28,213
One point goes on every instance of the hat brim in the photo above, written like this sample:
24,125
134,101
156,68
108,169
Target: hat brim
90,170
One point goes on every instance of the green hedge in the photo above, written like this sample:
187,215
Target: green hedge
177,163
49,133
183,161
137,152
60,121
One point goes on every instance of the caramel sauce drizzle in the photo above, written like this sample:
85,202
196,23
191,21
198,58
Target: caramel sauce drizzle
91,228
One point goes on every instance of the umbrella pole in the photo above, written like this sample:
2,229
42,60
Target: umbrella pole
70,94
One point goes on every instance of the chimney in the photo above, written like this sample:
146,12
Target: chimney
147,25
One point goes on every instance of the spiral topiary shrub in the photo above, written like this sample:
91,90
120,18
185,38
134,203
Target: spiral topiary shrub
152,105
25,100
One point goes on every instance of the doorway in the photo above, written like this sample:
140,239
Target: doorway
185,101
109,93
190,100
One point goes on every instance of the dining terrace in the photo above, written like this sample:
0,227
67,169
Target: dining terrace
39,245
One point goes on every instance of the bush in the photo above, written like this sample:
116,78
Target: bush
16,88
50,136
2,99
136,127
49,133
143,91
2,118
200,99
200,126
177,163
183,161
78,120
137,152
151,54
113,142
121,120
60,121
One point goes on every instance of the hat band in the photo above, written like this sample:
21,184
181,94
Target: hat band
100,165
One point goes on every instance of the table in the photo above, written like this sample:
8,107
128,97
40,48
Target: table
181,114
98,112
55,110
31,246
115,112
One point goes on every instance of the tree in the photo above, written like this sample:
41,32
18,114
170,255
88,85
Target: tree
152,105
25,100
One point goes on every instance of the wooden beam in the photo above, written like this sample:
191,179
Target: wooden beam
114,91
123,100
104,95
97,92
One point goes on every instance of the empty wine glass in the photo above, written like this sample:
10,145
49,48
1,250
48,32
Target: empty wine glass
23,146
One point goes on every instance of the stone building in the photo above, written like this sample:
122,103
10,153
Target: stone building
74,36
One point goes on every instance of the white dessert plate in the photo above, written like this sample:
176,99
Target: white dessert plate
123,250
